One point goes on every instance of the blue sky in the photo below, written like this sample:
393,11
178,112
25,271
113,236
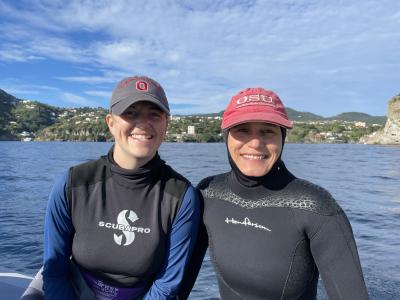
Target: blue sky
324,57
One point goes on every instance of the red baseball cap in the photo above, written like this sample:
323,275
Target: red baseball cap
255,105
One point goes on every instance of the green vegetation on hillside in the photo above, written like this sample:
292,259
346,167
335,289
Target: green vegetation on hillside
81,124
330,132
207,129
32,116
300,116
23,119
361,117
7,103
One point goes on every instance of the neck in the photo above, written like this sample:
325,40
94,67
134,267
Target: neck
252,181
126,161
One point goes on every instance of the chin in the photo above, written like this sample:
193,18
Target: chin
254,168
144,149
255,173
145,154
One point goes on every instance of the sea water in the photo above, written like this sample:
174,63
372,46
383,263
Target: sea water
364,179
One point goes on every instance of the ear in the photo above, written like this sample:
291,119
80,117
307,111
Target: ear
110,122
168,119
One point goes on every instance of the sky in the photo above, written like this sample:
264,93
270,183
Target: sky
324,57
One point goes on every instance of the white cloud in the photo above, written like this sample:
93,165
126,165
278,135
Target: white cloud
78,100
13,53
102,94
87,79
24,44
60,49
16,87
199,49
106,77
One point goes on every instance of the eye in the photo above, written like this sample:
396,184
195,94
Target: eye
156,114
130,114
239,130
268,131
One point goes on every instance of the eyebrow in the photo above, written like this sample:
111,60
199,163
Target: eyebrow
150,106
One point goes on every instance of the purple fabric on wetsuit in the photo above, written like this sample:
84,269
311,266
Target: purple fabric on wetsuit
104,291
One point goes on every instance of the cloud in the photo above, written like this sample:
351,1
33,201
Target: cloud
14,53
19,44
78,100
88,79
187,34
204,51
102,94
60,49
105,77
17,88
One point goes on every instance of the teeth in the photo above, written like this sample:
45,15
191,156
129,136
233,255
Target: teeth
141,136
256,157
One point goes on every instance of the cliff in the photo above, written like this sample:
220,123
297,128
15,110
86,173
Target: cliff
390,135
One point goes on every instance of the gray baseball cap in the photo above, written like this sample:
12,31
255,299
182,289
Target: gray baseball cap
134,89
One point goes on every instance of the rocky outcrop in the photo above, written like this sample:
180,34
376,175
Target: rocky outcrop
390,135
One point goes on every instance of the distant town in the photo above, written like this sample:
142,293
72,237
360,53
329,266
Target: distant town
27,120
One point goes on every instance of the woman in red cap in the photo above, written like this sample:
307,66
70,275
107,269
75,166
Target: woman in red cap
271,234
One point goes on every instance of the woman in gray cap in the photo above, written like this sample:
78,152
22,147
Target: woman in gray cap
121,226
271,234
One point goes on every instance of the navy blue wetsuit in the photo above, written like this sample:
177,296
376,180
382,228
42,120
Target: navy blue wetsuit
272,240
122,229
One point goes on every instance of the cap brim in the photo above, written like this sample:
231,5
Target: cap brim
236,119
122,105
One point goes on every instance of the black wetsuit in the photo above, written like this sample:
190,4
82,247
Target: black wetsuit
271,240
129,232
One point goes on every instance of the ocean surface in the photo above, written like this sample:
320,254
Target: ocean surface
364,179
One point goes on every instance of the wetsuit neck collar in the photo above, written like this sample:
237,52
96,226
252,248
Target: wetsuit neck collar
148,170
254,188
252,181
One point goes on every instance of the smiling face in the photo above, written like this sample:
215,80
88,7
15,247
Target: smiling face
255,147
138,133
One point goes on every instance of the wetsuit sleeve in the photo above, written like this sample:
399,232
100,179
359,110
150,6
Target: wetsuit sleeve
335,253
196,260
58,235
181,242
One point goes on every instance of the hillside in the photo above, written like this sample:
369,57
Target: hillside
19,118
300,116
7,103
361,117
79,124
31,119
293,115
25,119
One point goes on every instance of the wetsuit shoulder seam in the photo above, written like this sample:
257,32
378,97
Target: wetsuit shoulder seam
87,174
290,270
348,246
293,211
207,181
319,229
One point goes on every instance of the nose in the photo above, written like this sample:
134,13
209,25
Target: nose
142,119
255,142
